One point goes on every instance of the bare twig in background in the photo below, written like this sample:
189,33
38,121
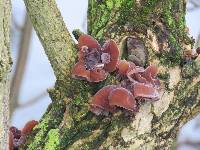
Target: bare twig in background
84,23
191,144
33,100
16,25
21,63
195,4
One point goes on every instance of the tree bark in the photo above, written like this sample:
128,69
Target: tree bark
5,67
160,26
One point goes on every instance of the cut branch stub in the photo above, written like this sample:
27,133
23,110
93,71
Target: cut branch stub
134,50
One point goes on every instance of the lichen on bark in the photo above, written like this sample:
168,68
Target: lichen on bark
160,25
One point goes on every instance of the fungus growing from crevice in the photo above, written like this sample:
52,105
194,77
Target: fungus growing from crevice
18,137
94,61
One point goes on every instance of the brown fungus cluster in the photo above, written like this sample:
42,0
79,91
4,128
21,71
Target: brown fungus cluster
18,137
94,61
136,82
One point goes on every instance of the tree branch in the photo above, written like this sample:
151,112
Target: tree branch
5,67
53,34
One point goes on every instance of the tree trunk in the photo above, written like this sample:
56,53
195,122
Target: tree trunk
5,67
160,26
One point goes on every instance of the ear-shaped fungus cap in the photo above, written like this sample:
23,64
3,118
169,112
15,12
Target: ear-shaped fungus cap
198,50
123,98
150,73
100,104
29,127
79,71
145,91
98,75
86,40
11,138
16,132
151,70
123,67
111,48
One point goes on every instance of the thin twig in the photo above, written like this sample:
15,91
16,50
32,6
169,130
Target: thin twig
21,63
33,100
195,5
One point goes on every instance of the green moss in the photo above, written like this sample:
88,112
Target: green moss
185,94
40,136
80,130
77,33
77,100
37,138
163,76
175,24
53,140
191,69
96,140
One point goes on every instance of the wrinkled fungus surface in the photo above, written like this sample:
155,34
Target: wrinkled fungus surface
94,61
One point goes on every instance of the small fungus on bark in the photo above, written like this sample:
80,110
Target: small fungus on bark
29,127
95,61
18,137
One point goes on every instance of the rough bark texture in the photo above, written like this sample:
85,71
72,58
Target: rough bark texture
5,67
160,26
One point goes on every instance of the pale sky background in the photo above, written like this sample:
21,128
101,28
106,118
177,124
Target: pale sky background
38,74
